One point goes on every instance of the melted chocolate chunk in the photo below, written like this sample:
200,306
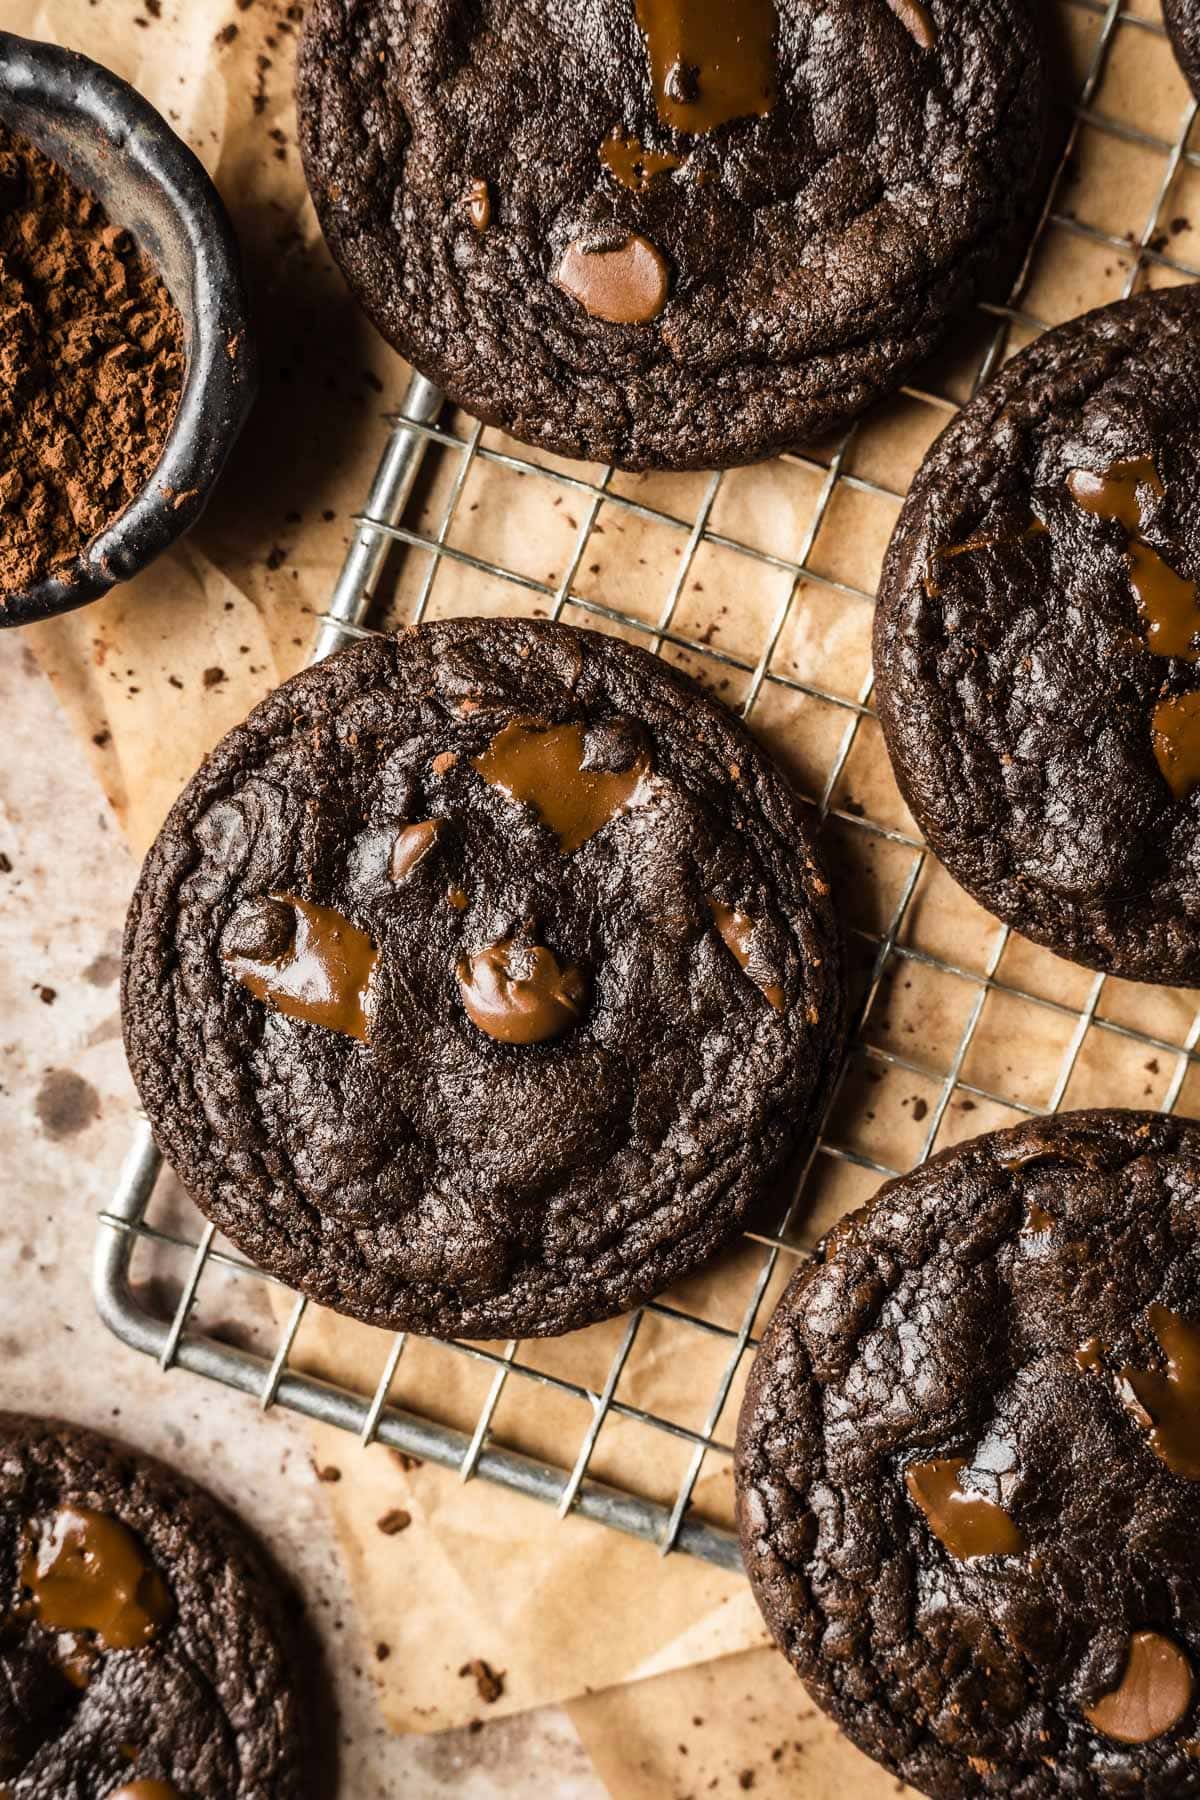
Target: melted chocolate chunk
1175,734
967,1523
917,19
1168,1405
736,931
88,1572
634,167
412,846
711,62
325,976
1119,492
544,767
628,285
479,205
146,1790
1155,1692
519,993
1168,604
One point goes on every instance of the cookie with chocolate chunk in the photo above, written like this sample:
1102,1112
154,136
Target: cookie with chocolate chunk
1037,642
142,1640
484,979
968,1466
671,233
1183,24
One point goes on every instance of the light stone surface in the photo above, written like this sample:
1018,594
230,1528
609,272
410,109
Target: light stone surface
66,1109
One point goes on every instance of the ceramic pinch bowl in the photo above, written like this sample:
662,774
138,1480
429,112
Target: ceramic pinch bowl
113,144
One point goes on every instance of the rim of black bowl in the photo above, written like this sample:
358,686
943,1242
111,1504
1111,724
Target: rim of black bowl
45,85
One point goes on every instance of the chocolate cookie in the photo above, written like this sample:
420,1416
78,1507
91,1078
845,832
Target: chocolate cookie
969,1465
141,1643
1183,23
483,979
1038,635
670,233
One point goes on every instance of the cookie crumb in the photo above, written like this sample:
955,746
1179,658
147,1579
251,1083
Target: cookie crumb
489,1684
394,1522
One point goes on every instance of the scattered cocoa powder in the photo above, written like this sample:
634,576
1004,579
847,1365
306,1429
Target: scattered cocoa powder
91,367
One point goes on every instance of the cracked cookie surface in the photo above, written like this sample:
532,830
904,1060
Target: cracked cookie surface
1183,23
484,979
141,1646
1037,642
967,1473
546,209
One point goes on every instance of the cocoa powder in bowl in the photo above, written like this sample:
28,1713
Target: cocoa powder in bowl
92,365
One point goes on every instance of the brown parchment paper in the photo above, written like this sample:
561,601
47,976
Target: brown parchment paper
738,1724
641,1648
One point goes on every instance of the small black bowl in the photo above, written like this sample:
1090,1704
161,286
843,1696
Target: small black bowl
113,144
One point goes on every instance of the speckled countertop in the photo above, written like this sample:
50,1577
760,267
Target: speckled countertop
66,1104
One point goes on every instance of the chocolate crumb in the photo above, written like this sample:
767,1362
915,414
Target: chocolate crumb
488,1684
395,1521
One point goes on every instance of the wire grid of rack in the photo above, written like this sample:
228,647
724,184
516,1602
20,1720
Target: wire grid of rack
887,948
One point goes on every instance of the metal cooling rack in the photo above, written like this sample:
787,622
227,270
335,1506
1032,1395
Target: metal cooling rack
567,1483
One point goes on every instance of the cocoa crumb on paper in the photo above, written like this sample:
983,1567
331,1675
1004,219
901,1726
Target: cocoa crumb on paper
489,1684
394,1522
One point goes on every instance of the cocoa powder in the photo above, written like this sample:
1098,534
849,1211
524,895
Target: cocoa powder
91,367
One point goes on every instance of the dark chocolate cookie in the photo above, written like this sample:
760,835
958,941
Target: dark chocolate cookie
141,1644
1038,635
969,1466
1183,23
483,979
675,233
